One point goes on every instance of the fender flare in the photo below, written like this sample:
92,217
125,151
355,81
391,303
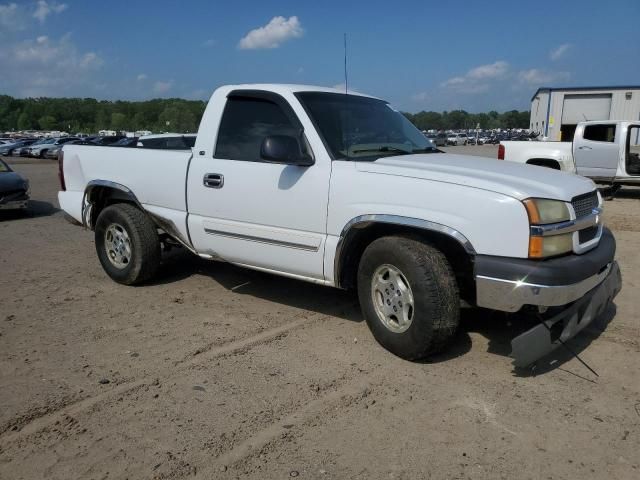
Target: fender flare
365,220
531,161
127,194
87,206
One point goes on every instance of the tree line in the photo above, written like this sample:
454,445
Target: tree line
173,114
89,115
460,119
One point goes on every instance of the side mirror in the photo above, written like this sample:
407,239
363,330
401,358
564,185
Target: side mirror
284,149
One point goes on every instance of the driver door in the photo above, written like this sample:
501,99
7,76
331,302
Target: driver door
252,212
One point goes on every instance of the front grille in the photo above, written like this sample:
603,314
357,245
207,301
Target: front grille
587,234
583,205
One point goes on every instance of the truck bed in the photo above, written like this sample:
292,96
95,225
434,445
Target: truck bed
524,152
151,174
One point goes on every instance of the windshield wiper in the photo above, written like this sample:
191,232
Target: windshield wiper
426,150
384,149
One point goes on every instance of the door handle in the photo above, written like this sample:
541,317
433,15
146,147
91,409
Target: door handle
584,148
213,180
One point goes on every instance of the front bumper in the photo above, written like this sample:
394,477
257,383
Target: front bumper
14,201
508,284
550,334
582,286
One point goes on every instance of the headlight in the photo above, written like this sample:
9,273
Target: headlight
543,212
543,247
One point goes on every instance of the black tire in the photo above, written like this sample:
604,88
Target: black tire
42,153
436,311
144,258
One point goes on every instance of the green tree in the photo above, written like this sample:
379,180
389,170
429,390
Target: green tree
24,122
90,115
510,119
118,121
47,122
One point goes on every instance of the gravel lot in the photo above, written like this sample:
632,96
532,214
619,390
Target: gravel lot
218,372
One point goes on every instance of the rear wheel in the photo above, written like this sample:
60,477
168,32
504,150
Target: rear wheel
127,244
409,296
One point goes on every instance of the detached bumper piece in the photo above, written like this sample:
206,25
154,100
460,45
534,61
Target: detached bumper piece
549,335
14,200
508,284
580,287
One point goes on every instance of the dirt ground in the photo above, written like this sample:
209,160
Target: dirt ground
218,372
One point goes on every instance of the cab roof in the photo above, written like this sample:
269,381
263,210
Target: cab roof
291,88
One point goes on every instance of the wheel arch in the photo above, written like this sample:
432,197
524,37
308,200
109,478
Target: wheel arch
361,231
99,194
545,162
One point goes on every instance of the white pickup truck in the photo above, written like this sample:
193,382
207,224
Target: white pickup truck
342,190
607,152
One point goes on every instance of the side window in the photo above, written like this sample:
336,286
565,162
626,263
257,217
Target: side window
153,143
175,143
600,133
244,125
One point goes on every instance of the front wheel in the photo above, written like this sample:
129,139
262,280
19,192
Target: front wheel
127,244
409,296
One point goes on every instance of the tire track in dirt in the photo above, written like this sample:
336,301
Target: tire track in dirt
351,392
36,422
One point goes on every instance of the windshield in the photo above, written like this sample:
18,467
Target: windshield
362,128
4,167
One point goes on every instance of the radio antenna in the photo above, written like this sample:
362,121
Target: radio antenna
346,78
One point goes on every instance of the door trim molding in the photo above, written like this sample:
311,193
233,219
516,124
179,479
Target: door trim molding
268,241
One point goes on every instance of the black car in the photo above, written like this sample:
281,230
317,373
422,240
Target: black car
126,142
14,189
108,140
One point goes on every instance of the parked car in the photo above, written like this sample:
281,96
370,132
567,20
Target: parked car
484,139
605,151
126,142
438,139
457,139
107,140
54,150
14,189
274,183
168,141
40,149
26,151
10,149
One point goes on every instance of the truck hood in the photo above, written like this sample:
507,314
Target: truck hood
512,179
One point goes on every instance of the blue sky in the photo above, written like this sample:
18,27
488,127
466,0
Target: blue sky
419,55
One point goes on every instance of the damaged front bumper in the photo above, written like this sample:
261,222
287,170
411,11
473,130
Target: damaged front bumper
550,334
582,285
